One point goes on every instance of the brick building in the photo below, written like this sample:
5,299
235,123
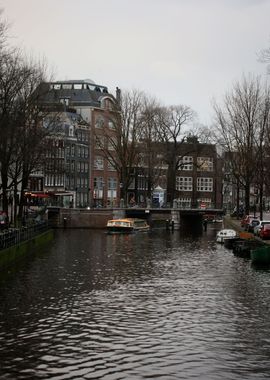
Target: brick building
198,181
89,114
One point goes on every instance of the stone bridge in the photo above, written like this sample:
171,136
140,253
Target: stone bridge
157,217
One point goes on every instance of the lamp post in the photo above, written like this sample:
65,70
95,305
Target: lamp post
24,218
103,193
121,195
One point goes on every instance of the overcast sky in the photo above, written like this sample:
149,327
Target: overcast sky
179,51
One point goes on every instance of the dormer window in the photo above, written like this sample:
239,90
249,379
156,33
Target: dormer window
64,101
107,103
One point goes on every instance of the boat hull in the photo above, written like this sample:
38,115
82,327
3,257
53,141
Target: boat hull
243,248
120,230
127,226
261,255
225,234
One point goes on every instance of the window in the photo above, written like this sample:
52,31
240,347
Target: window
98,187
71,131
107,103
205,164
64,101
84,136
206,202
142,182
112,183
111,167
72,150
99,122
67,86
204,184
99,142
98,182
112,189
111,124
99,163
54,180
111,143
184,183
184,202
86,152
186,163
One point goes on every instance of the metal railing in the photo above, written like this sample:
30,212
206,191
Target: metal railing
14,236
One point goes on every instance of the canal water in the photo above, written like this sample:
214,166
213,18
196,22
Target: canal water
157,305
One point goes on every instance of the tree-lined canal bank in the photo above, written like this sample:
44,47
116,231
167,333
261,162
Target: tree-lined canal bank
154,305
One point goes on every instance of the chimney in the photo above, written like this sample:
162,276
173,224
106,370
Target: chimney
118,95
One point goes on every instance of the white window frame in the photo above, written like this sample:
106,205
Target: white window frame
99,163
205,184
205,164
184,202
184,183
186,163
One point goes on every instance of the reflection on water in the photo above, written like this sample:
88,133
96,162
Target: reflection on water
154,305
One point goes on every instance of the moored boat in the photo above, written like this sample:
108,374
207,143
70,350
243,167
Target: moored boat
127,225
243,247
226,233
231,242
261,255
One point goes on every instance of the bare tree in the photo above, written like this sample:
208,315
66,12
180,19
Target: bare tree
3,32
21,135
30,132
151,158
264,57
241,124
121,142
172,134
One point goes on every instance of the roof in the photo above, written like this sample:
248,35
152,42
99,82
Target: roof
78,92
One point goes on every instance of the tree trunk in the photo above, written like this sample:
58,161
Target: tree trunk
170,185
22,197
4,190
247,198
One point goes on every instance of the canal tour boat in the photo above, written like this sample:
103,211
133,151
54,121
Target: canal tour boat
226,234
127,225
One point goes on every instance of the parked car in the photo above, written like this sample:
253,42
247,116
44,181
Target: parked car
265,232
252,223
245,220
258,228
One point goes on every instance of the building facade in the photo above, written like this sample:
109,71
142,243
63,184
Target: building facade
84,170
198,182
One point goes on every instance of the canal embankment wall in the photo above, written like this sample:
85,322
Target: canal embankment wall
79,218
15,252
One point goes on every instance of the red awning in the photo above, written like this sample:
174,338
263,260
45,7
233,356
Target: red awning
39,195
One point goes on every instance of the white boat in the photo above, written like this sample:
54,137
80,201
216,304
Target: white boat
127,225
226,233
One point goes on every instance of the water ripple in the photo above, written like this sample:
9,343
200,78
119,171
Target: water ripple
127,307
